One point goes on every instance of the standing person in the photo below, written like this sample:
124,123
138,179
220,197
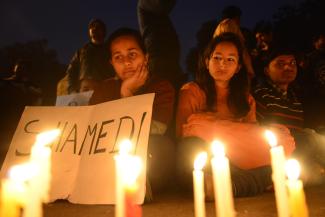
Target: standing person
217,105
129,58
161,40
89,64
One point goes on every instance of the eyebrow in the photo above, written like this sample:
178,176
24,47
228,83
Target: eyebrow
117,52
231,54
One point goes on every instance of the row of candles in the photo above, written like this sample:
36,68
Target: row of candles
289,193
28,184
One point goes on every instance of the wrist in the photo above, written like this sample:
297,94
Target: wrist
126,92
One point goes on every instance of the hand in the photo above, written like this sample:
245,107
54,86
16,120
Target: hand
135,82
200,124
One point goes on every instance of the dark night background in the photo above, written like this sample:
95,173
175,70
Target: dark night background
49,32
64,23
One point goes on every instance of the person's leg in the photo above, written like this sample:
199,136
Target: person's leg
161,162
160,38
252,182
187,149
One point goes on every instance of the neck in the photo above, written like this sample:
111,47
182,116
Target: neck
283,87
221,84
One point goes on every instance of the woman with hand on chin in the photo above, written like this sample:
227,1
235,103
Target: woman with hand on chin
129,58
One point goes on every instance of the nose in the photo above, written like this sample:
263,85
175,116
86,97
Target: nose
127,61
222,63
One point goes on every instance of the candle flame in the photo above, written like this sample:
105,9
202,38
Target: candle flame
218,148
125,146
292,168
23,172
132,170
200,161
271,138
47,137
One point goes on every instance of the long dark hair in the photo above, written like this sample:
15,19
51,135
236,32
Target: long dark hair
238,85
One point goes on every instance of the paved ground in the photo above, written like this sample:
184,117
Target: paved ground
173,204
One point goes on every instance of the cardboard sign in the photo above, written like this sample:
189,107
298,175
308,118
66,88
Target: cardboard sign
83,156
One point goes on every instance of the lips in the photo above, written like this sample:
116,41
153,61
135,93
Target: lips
129,73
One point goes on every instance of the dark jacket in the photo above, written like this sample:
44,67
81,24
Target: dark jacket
89,62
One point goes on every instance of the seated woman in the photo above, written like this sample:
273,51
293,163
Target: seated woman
218,106
129,59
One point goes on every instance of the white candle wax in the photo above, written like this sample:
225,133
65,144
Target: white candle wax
278,175
198,185
224,201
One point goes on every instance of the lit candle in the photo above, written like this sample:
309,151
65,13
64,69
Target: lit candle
13,193
278,174
297,200
130,186
198,184
41,155
124,178
223,196
39,184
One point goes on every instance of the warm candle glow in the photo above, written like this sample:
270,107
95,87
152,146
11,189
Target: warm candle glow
200,161
134,166
47,137
125,147
218,148
271,138
293,169
23,172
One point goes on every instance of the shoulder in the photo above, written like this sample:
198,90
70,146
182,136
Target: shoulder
192,93
261,89
193,88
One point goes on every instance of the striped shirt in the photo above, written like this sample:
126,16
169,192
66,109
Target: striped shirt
275,106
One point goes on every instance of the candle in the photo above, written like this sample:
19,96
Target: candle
278,174
41,155
39,184
221,181
13,194
297,200
128,168
9,195
130,185
198,184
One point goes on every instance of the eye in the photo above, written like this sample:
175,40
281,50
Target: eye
281,64
231,59
133,55
219,58
293,62
117,58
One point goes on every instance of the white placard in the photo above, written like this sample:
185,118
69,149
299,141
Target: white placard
82,157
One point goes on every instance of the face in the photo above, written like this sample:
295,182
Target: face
126,56
96,33
282,70
224,62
